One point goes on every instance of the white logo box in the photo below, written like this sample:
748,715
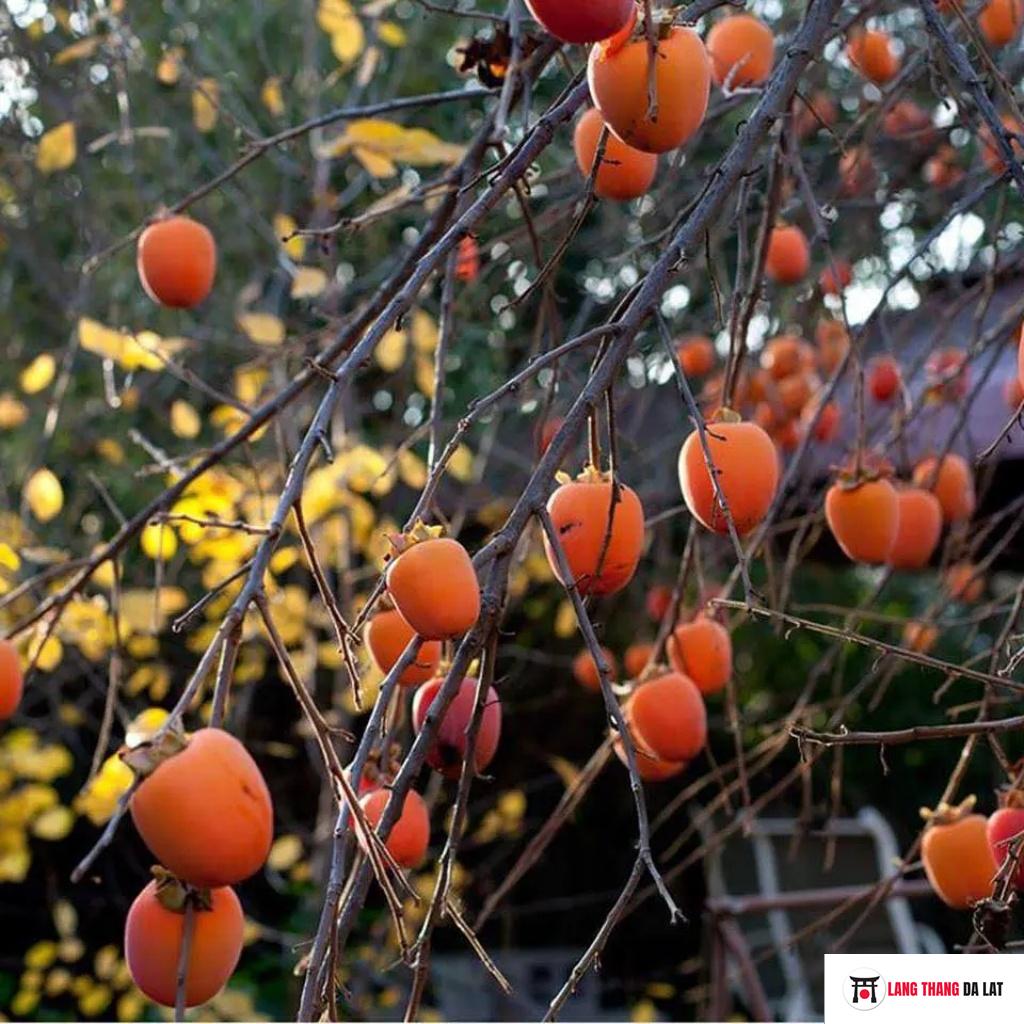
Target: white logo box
933,988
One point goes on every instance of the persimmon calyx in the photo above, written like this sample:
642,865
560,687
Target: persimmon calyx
948,814
1011,797
416,534
723,414
175,895
145,758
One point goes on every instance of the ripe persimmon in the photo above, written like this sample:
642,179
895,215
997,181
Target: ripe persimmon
948,374
12,682
952,483
636,658
796,391
153,933
918,530
410,835
991,152
667,716
702,651
884,378
747,469
177,261
789,255
204,811
547,433
387,636
906,121
871,53
618,86
584,668
956,855
658,601
835,278
1013,393
448,750
1004,825
467,260
857,172
1000,21
785,355
964,583
582,21
920,637
696,355
863,517
810,116
832,343
827,425
601,532
625,172
941,170
648,767
433,584
742,51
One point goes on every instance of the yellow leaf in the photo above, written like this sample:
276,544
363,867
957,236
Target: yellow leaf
44,495
204,104
249,383
643,1012
567,771
331,15
565,620
53,824
65,918
48,656
24,1003
158,542
262,328
144,351
185,421
424,332
110,449
57,149
425,375
41,955
461,464
390,353
78,50
38,374
308,282
412,469
339,20
9,557
415,146
285,852
168,71
12,412
270,96
390,33
375,164
284,228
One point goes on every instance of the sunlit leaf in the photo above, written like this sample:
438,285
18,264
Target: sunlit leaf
38,374
78,50
144,351
205,97
412,469
12,411
168,71
285,852
271,97
53,824
424,332
377,165
390,33
185,421
284,228
390,352
461,464
396,142
262,328
308,282
57,149
44,494
158,542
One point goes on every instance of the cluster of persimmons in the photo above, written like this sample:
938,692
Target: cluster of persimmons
201,804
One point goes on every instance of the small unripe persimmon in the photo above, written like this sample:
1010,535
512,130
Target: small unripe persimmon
177,261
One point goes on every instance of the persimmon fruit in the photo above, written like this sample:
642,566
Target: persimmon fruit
964,583
410,836
789,255
667,716
648,767
625,172
1000,20
387,636
827,426
863,518
618,80
785,355
467,260
701,650
884,378
153,935
584,668
636,659
602,540
871,53
920,637
748,475
658,601
1004,825
205,812
12,682
952,484
742,51
696,355
177,261
448,749
582,21
434,587
836,277
957,857
918,529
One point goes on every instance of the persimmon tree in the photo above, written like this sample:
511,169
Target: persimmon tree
345,345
